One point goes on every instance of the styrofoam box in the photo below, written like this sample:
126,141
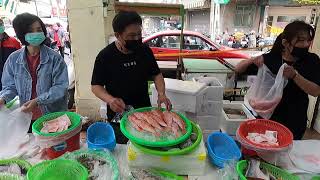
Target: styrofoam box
214,90
184,95
189,164
230,126
206,133
206,122
207,108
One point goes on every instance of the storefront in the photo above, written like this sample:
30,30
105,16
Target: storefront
279,16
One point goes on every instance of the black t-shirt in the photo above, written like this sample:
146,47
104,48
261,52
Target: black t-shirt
125,76
292,110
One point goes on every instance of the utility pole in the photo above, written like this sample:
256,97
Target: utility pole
35,3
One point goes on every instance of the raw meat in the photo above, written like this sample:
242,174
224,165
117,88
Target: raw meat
159,115
179,121
169,122
142,125
264,104
59,124
168,118
269,138
150,120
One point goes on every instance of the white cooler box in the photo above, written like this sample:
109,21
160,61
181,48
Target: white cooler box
206,122
184,95
192,164
230,126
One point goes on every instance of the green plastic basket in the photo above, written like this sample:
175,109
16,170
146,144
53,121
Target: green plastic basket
167,175
275,171
193,147
22,163
7,176
105,155
61,169
38,124
141,141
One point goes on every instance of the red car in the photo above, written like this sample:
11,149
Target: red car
168,42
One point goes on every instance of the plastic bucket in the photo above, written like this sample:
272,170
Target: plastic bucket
69,145
101,135
65,141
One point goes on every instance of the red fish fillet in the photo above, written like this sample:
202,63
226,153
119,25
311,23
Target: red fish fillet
147,118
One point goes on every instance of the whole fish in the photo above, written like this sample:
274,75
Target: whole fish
157,113
177,119
144,125
175,129
132,118
147,118
168,118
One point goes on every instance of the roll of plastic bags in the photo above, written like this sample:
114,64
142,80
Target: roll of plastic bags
14,126
266,92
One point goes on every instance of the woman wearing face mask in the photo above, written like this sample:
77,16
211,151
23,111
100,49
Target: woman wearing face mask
35,73
303,73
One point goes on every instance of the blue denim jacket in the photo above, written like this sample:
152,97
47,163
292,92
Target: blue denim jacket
52,80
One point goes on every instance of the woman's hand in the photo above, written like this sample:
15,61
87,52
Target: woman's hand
289,72
258,61
29,106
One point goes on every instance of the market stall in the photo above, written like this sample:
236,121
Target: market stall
186,143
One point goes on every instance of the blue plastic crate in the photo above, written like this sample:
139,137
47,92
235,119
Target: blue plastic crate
101,135
222,148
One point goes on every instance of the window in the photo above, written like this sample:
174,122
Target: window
154,42
172,42
290,18
269,20
244,15
195,43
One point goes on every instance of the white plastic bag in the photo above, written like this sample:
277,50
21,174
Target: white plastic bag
14,126
266,92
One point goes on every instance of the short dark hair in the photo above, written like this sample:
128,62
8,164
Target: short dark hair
22,24
124,19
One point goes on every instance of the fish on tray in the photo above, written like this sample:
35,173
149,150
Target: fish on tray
156,120
59,124
140,124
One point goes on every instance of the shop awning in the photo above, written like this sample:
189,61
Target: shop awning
196,4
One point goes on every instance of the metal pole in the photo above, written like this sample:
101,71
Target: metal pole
35,3
180,68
